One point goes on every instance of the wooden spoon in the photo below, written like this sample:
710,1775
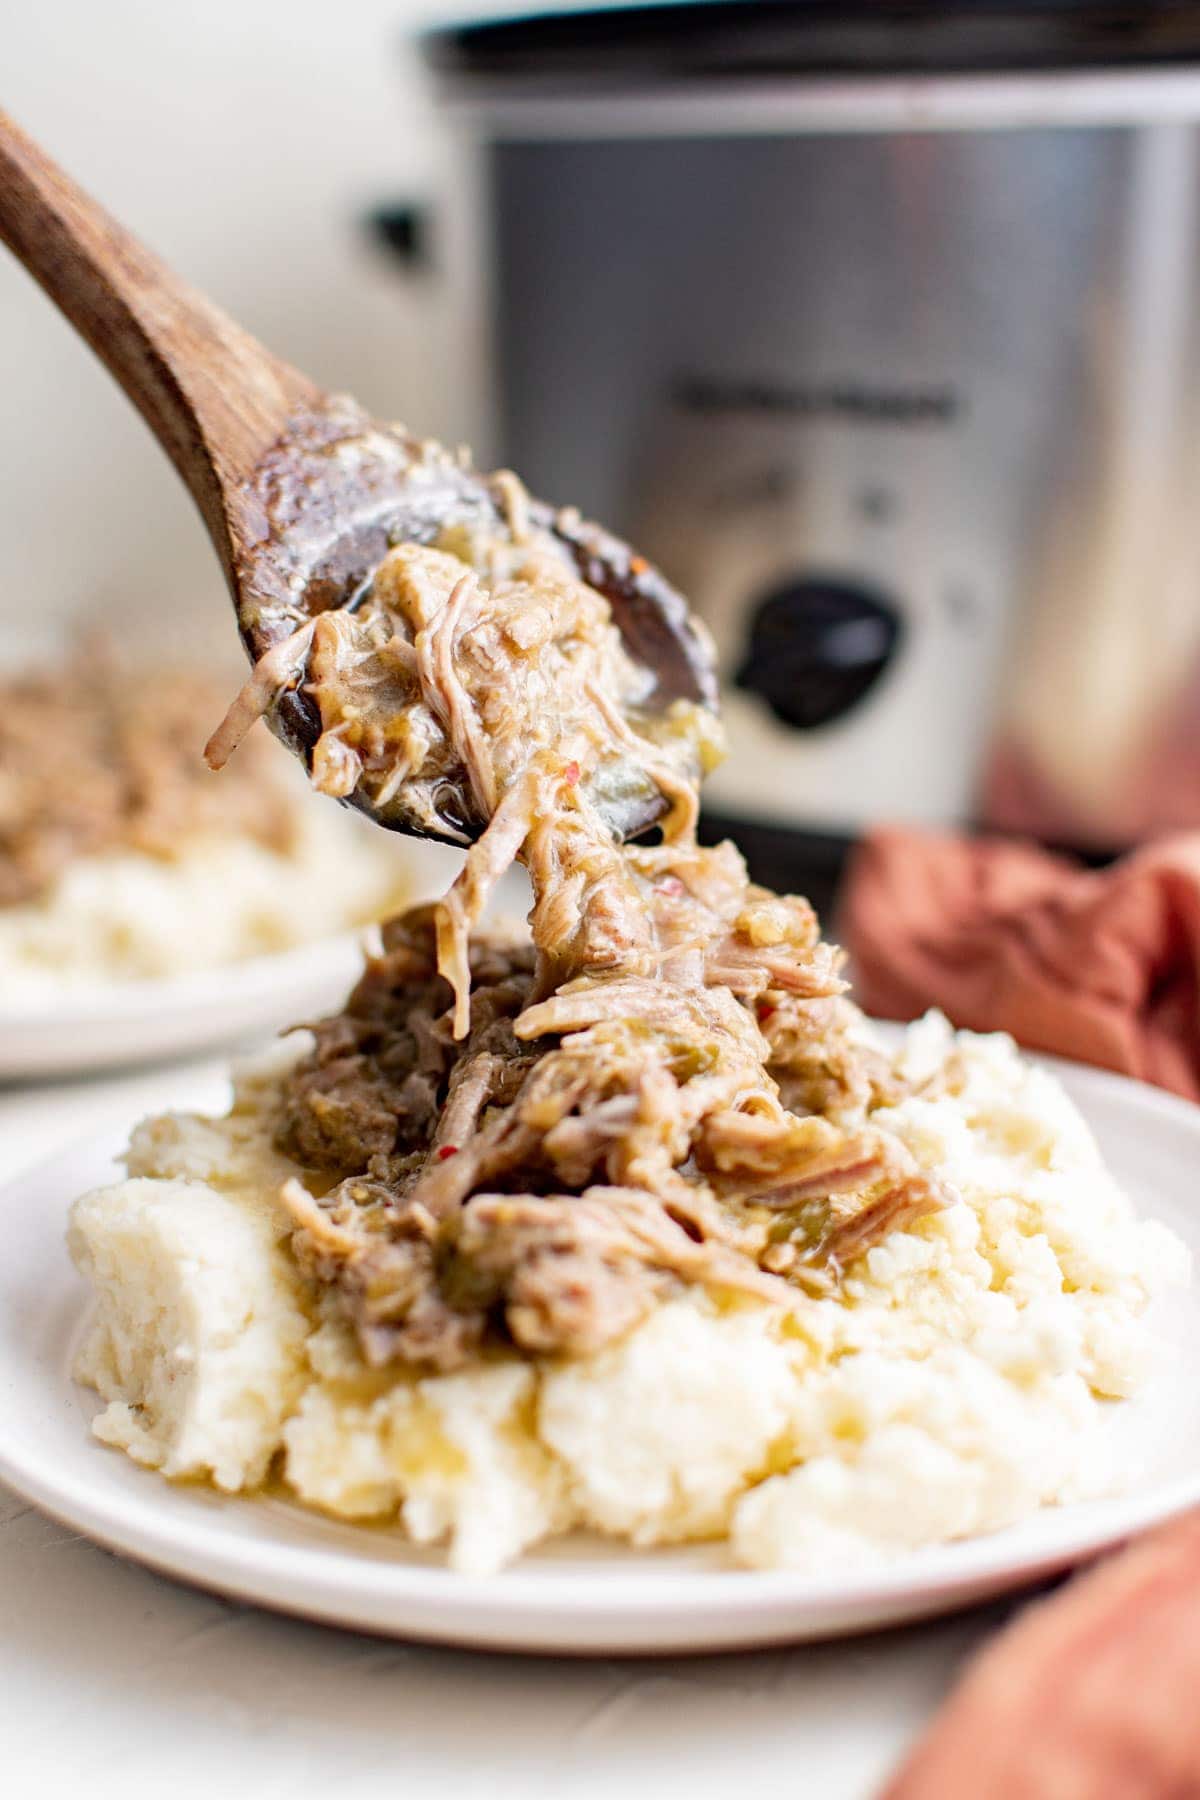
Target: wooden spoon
302,492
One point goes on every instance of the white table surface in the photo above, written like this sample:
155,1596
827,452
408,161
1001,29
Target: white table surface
114,1680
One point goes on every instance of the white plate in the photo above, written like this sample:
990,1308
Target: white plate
579,1595
106,1025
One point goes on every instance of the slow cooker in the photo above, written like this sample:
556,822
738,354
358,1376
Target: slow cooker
877,326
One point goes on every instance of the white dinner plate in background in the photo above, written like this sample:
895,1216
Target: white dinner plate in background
88,1027
113,1024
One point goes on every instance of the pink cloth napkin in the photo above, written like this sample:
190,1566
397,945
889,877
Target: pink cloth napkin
1103,966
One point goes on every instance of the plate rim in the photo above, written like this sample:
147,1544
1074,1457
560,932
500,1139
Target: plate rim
138,997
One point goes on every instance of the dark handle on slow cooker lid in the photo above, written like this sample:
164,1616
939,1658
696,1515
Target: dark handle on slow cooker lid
403,230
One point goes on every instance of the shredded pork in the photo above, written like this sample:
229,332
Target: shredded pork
95,758
663,1084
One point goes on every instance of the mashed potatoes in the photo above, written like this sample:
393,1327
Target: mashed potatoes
125,916
952,1386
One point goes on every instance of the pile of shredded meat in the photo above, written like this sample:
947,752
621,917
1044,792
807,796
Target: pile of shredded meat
663,1084
94,759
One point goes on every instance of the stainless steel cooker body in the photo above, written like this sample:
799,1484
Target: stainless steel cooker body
899,380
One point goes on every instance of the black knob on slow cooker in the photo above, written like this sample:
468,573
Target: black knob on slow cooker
816,648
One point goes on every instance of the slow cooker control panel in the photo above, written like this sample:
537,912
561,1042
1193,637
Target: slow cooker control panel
815,648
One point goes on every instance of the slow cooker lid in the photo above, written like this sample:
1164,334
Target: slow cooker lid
684,40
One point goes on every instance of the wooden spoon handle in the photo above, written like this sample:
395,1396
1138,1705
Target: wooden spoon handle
213,396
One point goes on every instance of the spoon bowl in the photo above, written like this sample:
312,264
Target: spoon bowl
340,490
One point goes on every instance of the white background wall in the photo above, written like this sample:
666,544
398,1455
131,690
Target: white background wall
242,139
